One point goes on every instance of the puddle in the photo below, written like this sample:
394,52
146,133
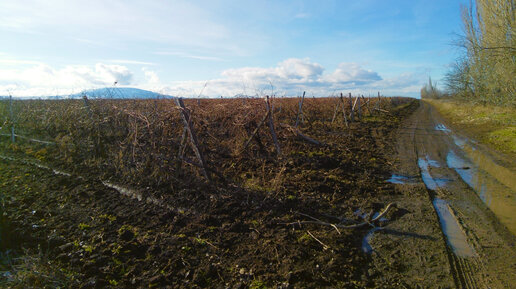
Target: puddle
432,163
382,219
460,142
399,179
455,237
360,214
500,198
442,127
430,182
366,241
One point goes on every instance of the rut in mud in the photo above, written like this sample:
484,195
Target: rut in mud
475,221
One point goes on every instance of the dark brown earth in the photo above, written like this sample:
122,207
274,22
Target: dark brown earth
229,236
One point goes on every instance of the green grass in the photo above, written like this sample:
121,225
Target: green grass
492,125
505,137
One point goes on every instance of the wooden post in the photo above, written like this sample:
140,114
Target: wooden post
300,111
366,103
352,115
13,138
271,125
359,108
185,115
87,104
344,109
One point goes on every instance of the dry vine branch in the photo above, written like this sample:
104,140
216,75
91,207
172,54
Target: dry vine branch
255,131
382,110
298,133
325,247
359,225
186,116
271,125
300,111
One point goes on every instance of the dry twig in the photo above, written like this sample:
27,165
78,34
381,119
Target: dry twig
359,225
325,247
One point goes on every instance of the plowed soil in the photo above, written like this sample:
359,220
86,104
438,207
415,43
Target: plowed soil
99,234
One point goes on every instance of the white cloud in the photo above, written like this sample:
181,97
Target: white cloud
289,71
151,77
352,72
42,79
293,76
289,77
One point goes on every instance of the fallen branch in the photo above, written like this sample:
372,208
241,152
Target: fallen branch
255,131
185,115
382,110
359,225
325,247
298,133
208,169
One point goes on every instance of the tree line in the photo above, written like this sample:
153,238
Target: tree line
486,70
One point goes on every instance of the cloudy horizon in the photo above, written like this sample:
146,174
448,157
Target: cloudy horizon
226,48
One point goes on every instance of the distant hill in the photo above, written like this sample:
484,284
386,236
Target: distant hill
120,93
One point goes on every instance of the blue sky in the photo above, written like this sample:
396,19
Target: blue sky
226,47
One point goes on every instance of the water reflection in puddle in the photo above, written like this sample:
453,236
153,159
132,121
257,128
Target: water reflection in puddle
399,179
441,127
430,182
455,237
497,196
460,142
366,246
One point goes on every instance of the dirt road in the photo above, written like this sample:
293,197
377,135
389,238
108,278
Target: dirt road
460,228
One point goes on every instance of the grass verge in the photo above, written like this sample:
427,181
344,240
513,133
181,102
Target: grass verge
494,126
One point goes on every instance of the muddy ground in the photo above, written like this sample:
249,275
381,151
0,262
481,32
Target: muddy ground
473,199
95,236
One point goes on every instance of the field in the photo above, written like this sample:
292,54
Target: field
112,192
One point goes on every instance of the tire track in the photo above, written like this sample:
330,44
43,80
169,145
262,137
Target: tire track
481,269
126,192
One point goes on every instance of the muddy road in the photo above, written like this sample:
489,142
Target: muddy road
462,218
